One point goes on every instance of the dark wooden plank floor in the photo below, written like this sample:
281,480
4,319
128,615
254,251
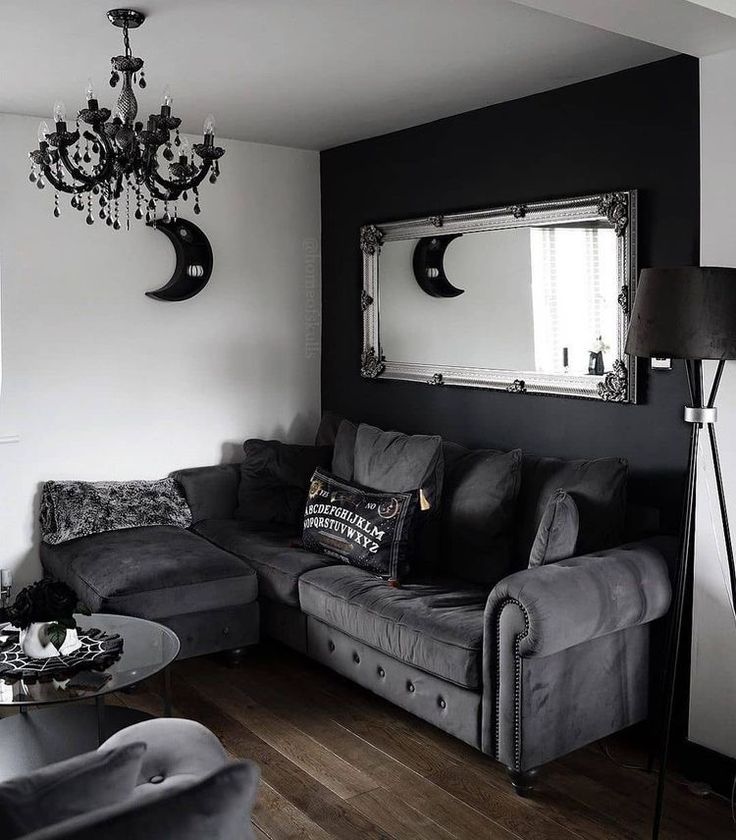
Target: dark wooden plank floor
339,762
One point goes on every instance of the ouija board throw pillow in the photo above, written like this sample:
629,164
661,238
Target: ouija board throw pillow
366,528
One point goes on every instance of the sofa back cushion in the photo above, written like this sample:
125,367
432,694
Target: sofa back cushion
211,492
478,512
598,488
274,479
557,535
395,462
343,456
327,429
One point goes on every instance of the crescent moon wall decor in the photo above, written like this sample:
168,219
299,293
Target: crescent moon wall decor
193,260
429,268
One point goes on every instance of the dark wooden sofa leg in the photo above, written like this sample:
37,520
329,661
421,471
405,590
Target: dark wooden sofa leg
523,781
236,656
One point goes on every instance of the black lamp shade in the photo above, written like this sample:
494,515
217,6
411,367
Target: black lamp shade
684,313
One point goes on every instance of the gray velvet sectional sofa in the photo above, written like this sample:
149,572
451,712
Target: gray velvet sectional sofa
525,665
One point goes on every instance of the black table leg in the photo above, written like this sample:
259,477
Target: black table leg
100,704
167,692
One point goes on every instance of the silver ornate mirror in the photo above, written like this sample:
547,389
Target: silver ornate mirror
530,298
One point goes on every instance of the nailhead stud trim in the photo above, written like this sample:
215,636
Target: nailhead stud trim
517,678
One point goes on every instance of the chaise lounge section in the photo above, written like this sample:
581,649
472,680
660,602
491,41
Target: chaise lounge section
207,596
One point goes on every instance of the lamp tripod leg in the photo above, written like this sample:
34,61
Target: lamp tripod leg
673,643
675,630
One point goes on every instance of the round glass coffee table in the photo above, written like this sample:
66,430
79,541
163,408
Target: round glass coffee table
46,731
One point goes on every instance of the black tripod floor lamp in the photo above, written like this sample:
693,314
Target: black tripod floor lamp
687,313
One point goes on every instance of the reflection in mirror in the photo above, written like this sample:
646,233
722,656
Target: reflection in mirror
541,298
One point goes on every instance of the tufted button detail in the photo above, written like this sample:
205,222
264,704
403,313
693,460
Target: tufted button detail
410,687
381,672
441,702
156,780
225,631
330,646
356,659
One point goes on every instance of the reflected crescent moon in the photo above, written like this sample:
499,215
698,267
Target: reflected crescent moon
429,268
193,260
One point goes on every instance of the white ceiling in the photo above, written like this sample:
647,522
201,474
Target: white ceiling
305,73
695,27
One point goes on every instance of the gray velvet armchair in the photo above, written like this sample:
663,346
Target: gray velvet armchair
187,788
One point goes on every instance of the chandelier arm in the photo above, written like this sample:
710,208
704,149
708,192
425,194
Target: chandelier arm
156,192
79,174
108,159
188,184
60,185
76,172
152,179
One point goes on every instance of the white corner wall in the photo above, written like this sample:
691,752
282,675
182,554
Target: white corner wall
101,382
713,669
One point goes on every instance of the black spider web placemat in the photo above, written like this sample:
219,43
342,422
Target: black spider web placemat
98,651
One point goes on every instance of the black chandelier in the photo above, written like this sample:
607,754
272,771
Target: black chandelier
116,160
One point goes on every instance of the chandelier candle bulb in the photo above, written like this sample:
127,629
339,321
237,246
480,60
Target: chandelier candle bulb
209,125
184,150
43,130
166,102
59,112
90,91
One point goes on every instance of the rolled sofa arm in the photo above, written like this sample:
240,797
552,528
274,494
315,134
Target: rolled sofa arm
212,492
576,600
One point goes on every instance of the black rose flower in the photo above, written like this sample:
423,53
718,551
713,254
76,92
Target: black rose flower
54,600
21,613
46,600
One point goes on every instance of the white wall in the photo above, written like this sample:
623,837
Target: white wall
713,672
100,381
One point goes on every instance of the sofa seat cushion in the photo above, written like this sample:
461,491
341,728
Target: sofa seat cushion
151,572
273,554
436,626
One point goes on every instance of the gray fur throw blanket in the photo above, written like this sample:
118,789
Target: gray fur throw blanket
71,509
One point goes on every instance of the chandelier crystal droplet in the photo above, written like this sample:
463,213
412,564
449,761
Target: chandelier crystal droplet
117,159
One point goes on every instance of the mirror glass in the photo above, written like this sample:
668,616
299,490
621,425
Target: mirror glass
541,298
528,298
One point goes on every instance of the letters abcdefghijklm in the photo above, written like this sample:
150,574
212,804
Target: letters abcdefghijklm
366,528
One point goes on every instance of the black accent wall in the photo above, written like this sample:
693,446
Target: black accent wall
638,129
